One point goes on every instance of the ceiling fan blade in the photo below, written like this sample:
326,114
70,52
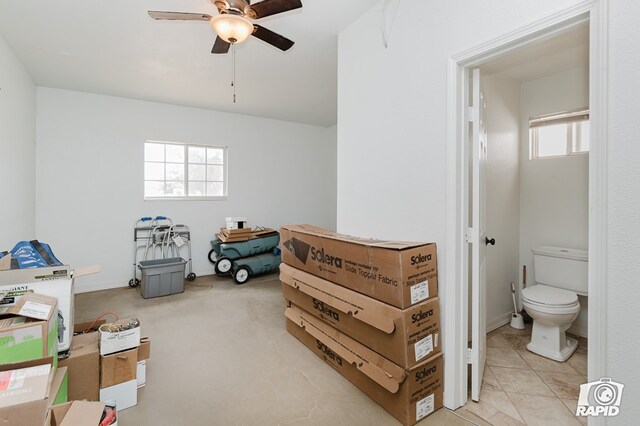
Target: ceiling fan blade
179,16
220,46
271,7
272,38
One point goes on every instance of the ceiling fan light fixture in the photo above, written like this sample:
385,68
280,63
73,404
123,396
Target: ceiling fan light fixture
232,28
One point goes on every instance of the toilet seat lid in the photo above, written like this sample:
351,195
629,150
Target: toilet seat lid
546,295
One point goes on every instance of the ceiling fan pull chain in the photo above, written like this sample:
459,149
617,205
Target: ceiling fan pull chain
233,79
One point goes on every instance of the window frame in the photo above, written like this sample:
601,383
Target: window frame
186,163
571,119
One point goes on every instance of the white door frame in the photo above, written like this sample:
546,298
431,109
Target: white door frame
456,264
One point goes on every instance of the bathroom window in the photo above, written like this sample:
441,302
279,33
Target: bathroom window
559,135
181,171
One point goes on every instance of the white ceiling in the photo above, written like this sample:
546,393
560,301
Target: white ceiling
114,48
562,53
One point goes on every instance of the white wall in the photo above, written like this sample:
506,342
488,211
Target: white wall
623,199
502,118
392,111
17,150
392,119
554,197
90,176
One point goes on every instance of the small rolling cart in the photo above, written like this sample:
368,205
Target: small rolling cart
242,259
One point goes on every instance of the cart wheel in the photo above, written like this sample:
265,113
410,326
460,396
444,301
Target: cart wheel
191,276
223,266
242,275
133,283
210,256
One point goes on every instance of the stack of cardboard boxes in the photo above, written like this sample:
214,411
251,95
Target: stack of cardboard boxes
36,313
30,379
119,343
370,309
107,366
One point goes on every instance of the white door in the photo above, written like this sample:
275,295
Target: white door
478,238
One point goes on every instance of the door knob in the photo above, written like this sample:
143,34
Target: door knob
490,241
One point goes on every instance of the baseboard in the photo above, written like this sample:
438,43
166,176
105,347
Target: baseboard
89,287
498,322
578,330
82,287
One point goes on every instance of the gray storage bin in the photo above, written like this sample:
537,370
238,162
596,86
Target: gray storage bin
162,277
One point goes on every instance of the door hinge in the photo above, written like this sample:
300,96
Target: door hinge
472,113
469,356
471,236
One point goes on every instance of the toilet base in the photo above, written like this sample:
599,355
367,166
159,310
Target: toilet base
551,342
561,356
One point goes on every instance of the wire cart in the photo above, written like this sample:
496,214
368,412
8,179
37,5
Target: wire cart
159,238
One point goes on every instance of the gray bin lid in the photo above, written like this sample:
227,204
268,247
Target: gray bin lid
144,264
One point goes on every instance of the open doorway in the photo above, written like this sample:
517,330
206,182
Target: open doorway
461,232
535,130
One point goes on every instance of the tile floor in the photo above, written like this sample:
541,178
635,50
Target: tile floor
520,387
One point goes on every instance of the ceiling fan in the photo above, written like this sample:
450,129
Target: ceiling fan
232,24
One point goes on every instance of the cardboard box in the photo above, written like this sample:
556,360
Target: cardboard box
117,341
141,373
77,413
408,395
118,368
61,289
29,329
59,387
24,392
30,275
398,273
83,366
54,281
406,337
144,350
5,262
236,222
125,395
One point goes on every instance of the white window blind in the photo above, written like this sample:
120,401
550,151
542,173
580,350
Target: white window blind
559,135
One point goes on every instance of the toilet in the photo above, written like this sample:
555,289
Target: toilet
561,275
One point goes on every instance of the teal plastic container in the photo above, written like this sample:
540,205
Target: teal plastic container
245,248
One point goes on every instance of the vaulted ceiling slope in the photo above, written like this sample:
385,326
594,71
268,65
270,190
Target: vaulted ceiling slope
114,48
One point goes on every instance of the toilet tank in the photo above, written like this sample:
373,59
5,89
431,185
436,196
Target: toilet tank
561,267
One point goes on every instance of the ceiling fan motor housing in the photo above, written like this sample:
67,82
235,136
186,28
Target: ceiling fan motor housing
236,7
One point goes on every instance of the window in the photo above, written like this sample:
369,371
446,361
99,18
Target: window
173,170
559,135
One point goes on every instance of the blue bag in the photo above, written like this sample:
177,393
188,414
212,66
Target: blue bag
31,254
